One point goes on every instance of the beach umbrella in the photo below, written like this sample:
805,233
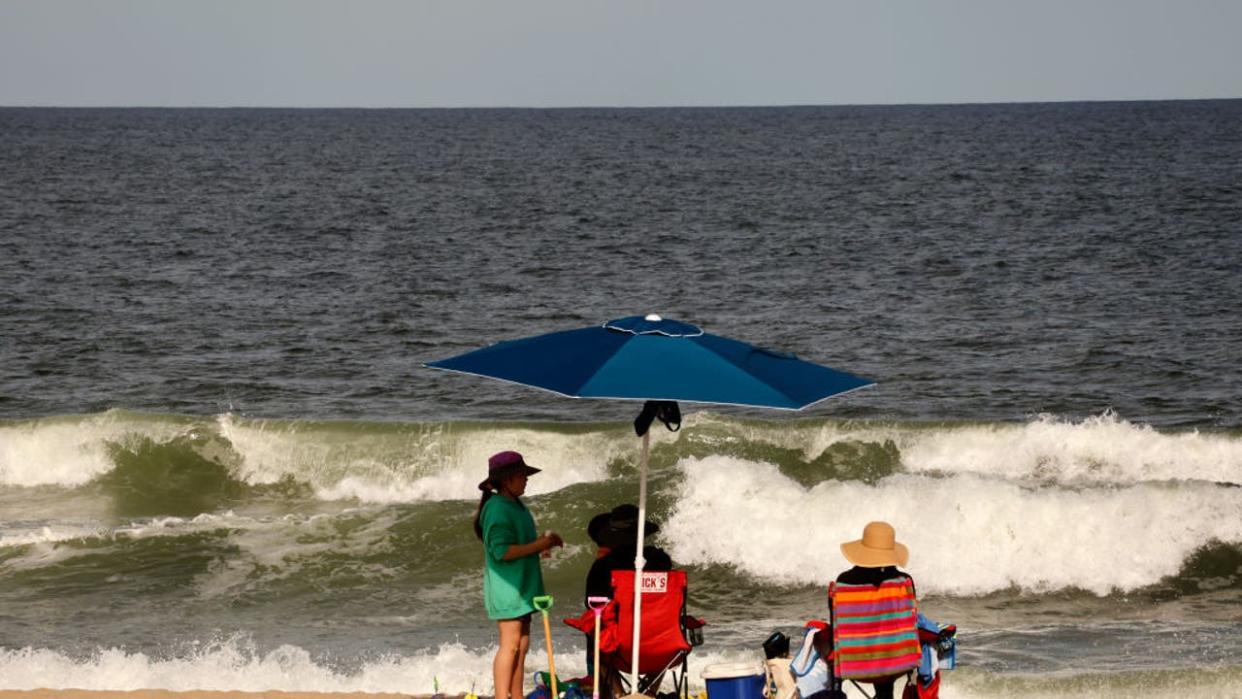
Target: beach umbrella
659,361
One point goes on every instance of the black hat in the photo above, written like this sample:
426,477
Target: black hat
596,527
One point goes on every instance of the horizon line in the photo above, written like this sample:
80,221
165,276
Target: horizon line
791,105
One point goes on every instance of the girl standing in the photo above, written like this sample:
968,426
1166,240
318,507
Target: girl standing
511,575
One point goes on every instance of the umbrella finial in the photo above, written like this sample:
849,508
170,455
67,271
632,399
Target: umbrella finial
653,317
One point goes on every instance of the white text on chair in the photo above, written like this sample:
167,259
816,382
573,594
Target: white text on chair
655,583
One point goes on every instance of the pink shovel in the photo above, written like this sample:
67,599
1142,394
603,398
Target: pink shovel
597,605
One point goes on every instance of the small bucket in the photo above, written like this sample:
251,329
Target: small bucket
734,681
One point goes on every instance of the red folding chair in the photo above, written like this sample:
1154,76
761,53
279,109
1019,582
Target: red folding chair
667,635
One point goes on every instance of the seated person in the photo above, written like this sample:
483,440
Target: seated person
875,586
595,530
620,537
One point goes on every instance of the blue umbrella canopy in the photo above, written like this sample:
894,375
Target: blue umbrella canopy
650,358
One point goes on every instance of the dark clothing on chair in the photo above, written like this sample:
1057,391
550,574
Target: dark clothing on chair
872,576
599,584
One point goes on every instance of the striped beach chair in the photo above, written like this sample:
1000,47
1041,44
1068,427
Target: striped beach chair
874,630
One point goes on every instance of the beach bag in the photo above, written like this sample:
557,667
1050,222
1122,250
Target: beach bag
939,647
810,671
874,629
781,684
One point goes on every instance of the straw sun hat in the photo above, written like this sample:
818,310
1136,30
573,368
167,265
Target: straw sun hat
877,548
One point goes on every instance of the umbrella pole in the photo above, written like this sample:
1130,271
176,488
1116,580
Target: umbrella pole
638,556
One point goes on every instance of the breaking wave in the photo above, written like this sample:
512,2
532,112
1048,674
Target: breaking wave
235,664
1100,505
405,462
968,534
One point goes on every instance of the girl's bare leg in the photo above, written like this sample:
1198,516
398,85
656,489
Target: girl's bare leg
519,667
509,667
507,656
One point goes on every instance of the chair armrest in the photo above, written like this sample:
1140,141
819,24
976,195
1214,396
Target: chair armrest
692,629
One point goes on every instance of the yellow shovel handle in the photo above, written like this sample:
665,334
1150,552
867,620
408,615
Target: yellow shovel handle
542,604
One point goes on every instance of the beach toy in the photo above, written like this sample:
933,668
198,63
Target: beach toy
542,604
544,679
471,694
540,691
569,689
735,680
597,606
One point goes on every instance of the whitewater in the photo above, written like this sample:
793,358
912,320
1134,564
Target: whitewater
1131,531
1005,497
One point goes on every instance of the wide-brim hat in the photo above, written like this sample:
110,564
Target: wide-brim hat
877,548
503,464
622,529
596,527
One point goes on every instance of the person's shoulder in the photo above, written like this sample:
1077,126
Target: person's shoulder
895,572
656,558
871,576
617,558
853,576
599,566
498,506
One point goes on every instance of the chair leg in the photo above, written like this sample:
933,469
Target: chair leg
646,683
614,684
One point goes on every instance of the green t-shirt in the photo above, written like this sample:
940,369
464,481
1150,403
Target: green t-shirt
508,586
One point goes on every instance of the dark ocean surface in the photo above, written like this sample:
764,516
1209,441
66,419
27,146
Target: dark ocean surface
222,465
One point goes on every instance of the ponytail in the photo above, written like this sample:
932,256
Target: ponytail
478,514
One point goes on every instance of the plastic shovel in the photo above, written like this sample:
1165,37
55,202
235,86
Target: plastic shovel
543,603
597,605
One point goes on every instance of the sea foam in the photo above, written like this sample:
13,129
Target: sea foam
65,451
968,534
1103,449
235,664
434,462
416,462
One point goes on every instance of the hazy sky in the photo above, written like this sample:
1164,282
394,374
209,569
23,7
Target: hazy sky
446,53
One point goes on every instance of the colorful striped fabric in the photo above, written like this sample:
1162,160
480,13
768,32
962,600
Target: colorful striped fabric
874,629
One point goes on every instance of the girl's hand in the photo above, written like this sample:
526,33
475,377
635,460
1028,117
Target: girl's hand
552,540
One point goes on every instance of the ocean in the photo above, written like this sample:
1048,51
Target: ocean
223,466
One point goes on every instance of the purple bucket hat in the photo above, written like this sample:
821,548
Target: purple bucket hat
502,464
